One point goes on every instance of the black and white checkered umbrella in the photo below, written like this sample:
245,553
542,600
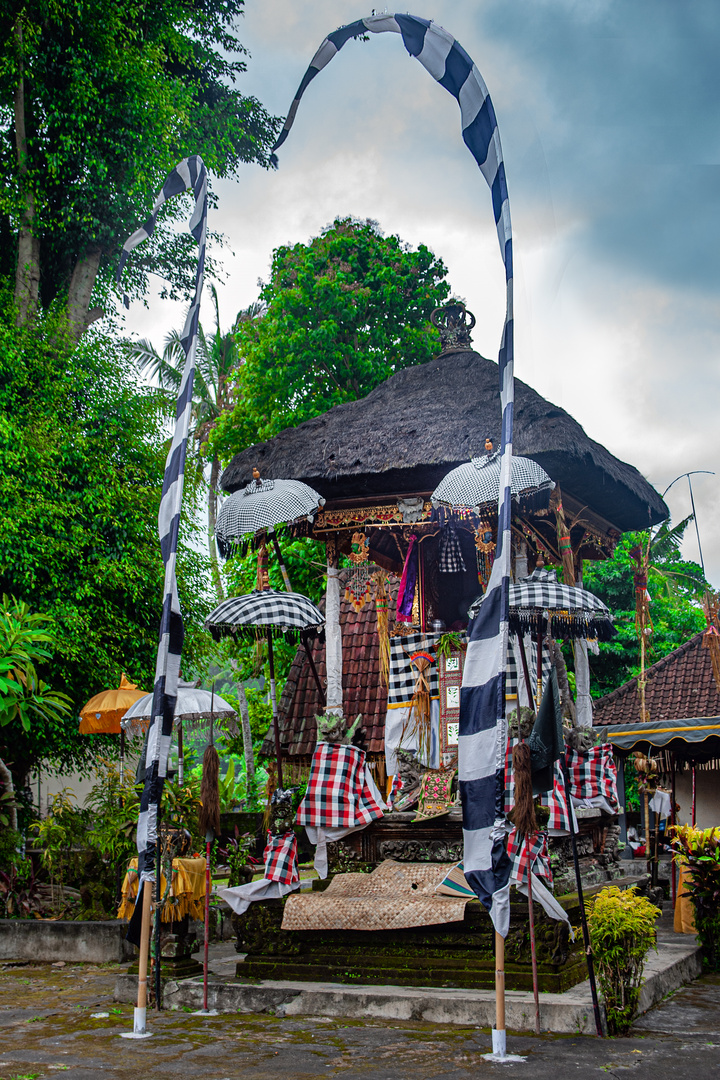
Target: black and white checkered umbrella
264,504
289,612
541,603
477,483
268,610
192,706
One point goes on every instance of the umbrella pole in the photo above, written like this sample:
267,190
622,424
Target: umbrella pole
158,916
526,672
533,953
181,756
139,1018
316,677
273,699
673,878
280,559
694,795
122,757
581,903
539,669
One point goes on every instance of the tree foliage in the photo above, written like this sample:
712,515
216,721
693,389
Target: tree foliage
343,313
81,466
676,588
99,99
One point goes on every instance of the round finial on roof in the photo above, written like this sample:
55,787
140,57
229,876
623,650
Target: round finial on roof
488,445
452,321
256,473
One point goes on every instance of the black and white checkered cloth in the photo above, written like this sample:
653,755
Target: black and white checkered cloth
274,502
277,610
402,677
477,482
543,590
189,174
450,557
481,746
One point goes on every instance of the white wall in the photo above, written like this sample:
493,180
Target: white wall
707,797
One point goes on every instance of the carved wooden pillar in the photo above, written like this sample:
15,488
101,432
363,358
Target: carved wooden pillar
333,631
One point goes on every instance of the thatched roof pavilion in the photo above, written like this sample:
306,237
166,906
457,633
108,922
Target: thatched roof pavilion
425,420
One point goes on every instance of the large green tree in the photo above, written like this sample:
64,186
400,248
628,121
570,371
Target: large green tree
82,453
99,99
676,587
343,313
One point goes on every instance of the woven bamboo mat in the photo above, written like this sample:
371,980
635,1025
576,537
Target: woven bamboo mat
394,897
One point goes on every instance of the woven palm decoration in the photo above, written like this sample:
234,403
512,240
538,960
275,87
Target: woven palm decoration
357,590
382,612
643,622
419,719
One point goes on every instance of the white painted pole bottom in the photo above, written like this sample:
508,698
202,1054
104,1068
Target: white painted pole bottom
139,1030
499,1045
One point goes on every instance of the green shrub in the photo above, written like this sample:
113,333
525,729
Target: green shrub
699,850
622,930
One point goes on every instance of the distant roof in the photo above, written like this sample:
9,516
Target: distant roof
363,691
423,421
679,686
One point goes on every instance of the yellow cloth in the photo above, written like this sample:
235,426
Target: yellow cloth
684,917
186,895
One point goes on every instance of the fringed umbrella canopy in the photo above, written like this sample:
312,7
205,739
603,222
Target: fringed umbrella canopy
193,706
477,483
264,504
289,612
104,711
539,603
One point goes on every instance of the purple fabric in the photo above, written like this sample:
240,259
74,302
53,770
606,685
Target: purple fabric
408,581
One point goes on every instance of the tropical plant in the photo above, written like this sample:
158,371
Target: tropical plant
113,809
622,930
20,896
24,642
699,850
98,101
676,587
215,360
343,312
62,829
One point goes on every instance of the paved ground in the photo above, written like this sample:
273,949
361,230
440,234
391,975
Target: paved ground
47,1027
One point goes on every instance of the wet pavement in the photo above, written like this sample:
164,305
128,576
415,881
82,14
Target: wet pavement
63,1020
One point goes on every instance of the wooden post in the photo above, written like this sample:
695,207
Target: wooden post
208,845
533,954
538,681
694,796
673,874
141,1007
158,914
281,561
498,1035
273,699
316,677
181,760
648,842
122,757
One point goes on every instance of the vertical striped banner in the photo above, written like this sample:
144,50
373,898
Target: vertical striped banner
190,174
483,731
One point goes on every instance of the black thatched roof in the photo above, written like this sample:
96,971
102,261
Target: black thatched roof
412,429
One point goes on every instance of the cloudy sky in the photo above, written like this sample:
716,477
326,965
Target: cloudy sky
610,122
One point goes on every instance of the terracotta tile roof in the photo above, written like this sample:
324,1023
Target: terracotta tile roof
680,685
363,691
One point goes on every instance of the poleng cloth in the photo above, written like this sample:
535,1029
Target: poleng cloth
517,849
593,778
281,858
186,896
559,805
339,792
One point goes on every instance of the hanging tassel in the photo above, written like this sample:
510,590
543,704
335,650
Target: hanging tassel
383,616
209,813
524,812
418,721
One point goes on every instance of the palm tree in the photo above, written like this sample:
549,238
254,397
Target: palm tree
215,361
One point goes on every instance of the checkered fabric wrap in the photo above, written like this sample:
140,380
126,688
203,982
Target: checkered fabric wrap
276,502
338,795
189,174
450,558
514,673
278,610
518,851
477,482
280,857
509,776
557,802
593,773
403,673
483,730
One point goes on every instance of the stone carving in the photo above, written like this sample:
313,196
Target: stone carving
422,850
451,321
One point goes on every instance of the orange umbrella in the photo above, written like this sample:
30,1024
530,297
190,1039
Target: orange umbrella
102,714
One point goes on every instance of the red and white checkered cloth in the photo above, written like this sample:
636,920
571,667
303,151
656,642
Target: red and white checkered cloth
338,794
281,861
518,851
557,801
593,774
